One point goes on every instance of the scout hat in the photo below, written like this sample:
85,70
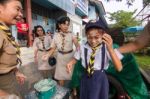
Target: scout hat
94,24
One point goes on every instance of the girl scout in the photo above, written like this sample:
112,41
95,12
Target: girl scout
63,41
41,47
95,56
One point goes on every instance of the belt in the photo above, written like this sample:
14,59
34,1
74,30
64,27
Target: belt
65,52
43,50
12,71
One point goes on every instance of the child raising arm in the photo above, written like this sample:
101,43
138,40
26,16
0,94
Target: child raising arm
95,55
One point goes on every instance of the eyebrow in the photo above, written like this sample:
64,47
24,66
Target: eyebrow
93,36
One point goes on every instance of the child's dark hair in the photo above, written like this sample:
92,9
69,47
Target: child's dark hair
117,36
61,20
35,30
5,1
24,19
96,24
99,30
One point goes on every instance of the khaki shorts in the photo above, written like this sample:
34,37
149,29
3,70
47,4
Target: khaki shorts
9,84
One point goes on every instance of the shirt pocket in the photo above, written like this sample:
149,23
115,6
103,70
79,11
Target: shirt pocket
10,50
9,56
68,39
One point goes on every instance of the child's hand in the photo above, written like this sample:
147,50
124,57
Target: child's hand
3,93
35,59
69,67
20,77
45,57
107,40
78,48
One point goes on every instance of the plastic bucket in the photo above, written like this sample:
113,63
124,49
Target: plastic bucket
48,94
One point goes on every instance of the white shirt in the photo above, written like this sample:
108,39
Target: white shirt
79,54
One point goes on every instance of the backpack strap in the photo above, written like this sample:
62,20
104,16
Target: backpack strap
85,56
103,56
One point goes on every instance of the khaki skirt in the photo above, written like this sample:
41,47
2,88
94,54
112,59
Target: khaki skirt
43,65
62,61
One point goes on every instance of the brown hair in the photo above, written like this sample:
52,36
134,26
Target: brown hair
35,30
61,20
117,36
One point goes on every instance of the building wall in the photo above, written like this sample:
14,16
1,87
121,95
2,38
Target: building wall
81,7
76,24
45,17
65,5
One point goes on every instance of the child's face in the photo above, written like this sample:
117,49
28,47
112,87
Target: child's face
94,37
64,27
40,31
11,12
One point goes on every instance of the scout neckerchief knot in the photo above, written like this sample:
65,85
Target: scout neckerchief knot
63,41
90,68
12,41
42,39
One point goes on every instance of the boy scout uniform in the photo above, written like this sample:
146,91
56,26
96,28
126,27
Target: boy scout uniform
8,62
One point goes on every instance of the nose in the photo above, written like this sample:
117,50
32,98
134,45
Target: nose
93,40
20,14
66,27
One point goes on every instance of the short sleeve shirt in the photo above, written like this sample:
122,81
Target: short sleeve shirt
79,54
58,41
38,43
20,26
8,57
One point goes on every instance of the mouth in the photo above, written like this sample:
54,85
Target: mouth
65,30
18,18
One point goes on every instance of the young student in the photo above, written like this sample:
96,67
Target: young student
95,56
41,47
10,13
63,42
130,77
22,28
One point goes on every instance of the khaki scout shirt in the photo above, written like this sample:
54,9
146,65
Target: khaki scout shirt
8,58
37,44
58,40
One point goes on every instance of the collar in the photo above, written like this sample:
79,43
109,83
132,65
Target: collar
6,27
62,33
86,45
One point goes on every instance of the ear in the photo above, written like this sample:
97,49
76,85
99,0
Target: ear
1,8
59,25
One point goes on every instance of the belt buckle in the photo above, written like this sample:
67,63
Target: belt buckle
89,75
